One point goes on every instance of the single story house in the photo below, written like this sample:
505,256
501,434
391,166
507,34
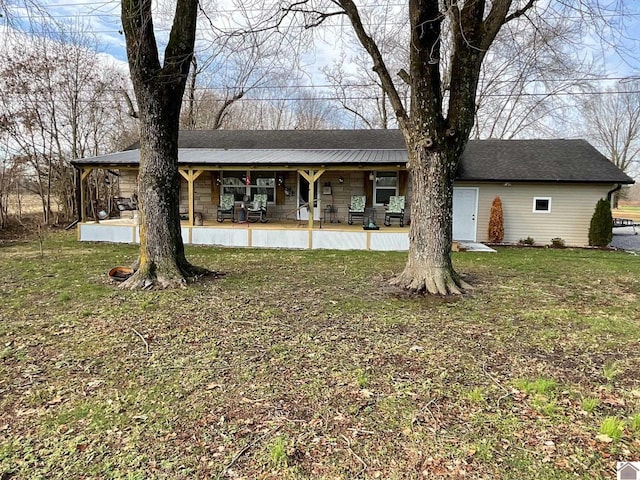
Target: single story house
548,188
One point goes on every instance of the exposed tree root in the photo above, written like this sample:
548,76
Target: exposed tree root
433,281
169,276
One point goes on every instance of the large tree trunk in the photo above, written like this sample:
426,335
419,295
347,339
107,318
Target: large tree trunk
162,260
159,90
429,267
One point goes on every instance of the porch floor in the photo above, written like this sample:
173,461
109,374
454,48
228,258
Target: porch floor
272,234
272,224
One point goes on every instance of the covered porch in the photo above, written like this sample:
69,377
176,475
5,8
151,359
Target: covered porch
306,207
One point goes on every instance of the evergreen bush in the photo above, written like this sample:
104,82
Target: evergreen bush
601,227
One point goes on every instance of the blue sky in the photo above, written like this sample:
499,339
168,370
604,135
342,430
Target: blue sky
103,19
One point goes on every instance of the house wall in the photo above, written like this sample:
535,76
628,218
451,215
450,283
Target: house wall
340,196
203,202
128,182
572,206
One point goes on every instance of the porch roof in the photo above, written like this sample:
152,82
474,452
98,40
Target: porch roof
536,160
257,157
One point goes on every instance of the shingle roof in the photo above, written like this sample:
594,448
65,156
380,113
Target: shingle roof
537,161
555,160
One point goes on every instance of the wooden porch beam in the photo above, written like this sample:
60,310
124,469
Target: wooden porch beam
311,176
190,175
84,173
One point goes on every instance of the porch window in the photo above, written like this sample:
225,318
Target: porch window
234,183
541,204
246,183
263,182
385,186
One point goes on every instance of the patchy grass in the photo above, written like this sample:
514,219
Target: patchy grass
305,364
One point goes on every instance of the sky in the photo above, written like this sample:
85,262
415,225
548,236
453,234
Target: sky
102,17
619,59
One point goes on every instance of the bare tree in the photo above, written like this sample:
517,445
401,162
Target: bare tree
10,172
356,87
521,86
612,120
59,105
361,93
229,68
527,75
438,121
159,89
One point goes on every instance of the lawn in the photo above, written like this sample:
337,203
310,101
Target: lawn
306,365
627,211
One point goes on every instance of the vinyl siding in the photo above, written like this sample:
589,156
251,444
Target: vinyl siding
572,206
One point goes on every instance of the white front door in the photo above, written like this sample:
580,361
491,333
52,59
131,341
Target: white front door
465,213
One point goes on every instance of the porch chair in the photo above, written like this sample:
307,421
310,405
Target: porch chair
226,208
395,209
356,208
126,203
257,210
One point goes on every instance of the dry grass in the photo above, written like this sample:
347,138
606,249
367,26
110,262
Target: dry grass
304,364
26,204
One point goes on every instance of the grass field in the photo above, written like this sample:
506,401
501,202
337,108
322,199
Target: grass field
627,211
306,365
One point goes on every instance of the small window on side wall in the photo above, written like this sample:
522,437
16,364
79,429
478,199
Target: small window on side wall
541,204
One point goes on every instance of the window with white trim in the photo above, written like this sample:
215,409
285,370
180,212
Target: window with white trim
246,183
541,204
384,187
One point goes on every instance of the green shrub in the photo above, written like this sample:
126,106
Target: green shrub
526,241
600,229
557,242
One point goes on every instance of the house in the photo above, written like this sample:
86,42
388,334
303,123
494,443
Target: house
548,188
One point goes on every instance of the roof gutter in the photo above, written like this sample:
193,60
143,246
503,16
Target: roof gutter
611,192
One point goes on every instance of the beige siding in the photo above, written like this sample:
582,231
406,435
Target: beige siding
128,183
571,209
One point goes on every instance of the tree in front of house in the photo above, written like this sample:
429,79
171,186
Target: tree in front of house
437,122
159,89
